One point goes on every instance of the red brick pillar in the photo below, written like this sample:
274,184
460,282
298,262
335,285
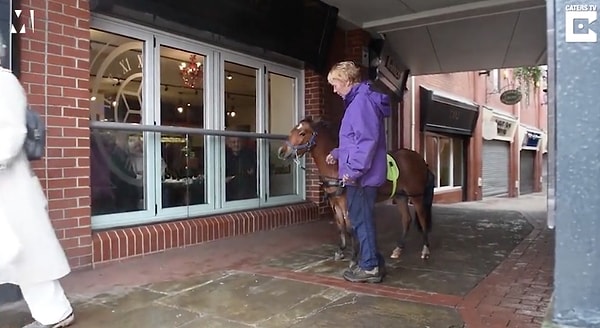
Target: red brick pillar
315,86
356,41
55,73
537,169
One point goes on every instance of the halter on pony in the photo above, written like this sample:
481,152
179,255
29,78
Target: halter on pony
326,181
308,146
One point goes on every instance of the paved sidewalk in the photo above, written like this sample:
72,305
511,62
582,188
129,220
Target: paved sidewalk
490,267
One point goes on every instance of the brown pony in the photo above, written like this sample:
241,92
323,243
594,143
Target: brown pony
416,182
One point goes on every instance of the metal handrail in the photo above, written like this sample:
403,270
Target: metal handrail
118,126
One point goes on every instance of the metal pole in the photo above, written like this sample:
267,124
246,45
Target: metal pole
576,63
116,126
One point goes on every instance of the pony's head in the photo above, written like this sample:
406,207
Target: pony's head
300,140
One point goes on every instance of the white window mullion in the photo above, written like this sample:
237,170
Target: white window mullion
151,116
262,145
437,154
217,118
451,178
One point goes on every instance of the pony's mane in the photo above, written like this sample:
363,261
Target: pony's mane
321,126
317,126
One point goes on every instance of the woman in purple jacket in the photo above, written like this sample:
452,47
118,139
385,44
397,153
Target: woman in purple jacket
362,162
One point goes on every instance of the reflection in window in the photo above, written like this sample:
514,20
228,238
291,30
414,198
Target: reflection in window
117,158
445,158
5,36
282,110
240,169
182,104
116,64
457,158
431,156
445,165
241,158
116,166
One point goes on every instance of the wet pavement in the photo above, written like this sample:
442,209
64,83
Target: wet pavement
240,299
465,247
486,269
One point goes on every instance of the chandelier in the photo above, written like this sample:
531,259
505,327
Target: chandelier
191,71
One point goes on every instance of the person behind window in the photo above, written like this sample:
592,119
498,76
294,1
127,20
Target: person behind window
362,162
39,260
240,170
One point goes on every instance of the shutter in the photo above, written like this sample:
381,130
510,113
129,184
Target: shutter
526,181
496,156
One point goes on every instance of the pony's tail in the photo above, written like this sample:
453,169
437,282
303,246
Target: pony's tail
428,201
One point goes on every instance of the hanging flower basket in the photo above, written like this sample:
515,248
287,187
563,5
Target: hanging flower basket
528,78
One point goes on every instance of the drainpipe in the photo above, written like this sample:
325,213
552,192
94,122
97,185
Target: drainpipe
412,112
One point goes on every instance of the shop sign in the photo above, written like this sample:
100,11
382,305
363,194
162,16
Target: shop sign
511,97
503,127
532,139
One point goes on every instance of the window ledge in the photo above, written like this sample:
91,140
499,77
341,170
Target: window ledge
446,189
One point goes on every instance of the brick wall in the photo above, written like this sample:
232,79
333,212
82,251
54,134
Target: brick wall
315,85
480,89
55,74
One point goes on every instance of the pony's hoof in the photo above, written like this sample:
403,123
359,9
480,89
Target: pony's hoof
338,256
396,253
352,265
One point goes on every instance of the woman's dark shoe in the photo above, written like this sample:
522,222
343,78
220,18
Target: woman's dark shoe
362,275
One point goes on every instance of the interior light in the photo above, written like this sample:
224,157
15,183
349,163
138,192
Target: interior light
180,109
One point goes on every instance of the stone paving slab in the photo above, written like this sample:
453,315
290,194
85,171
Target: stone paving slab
238,299
154,291
466,246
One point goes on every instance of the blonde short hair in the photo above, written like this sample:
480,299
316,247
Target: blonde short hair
346,71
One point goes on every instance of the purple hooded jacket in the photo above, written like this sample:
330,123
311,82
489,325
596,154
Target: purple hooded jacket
362,150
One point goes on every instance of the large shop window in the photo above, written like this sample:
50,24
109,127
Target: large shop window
142,79
6,11
445,158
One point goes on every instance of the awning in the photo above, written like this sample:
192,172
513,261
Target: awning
498,125
442,112
530,137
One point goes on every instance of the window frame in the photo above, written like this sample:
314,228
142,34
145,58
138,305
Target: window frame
214,78
437,138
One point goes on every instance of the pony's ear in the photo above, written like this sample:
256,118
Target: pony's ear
308,119
317,120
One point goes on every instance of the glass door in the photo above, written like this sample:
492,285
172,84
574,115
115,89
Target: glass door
183,161
242,104
284,179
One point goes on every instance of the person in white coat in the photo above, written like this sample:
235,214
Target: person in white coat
30,254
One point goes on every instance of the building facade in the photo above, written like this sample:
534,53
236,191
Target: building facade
478,146
134,165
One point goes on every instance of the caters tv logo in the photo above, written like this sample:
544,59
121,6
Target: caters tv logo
579,20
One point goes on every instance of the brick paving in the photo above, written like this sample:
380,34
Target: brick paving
517,293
